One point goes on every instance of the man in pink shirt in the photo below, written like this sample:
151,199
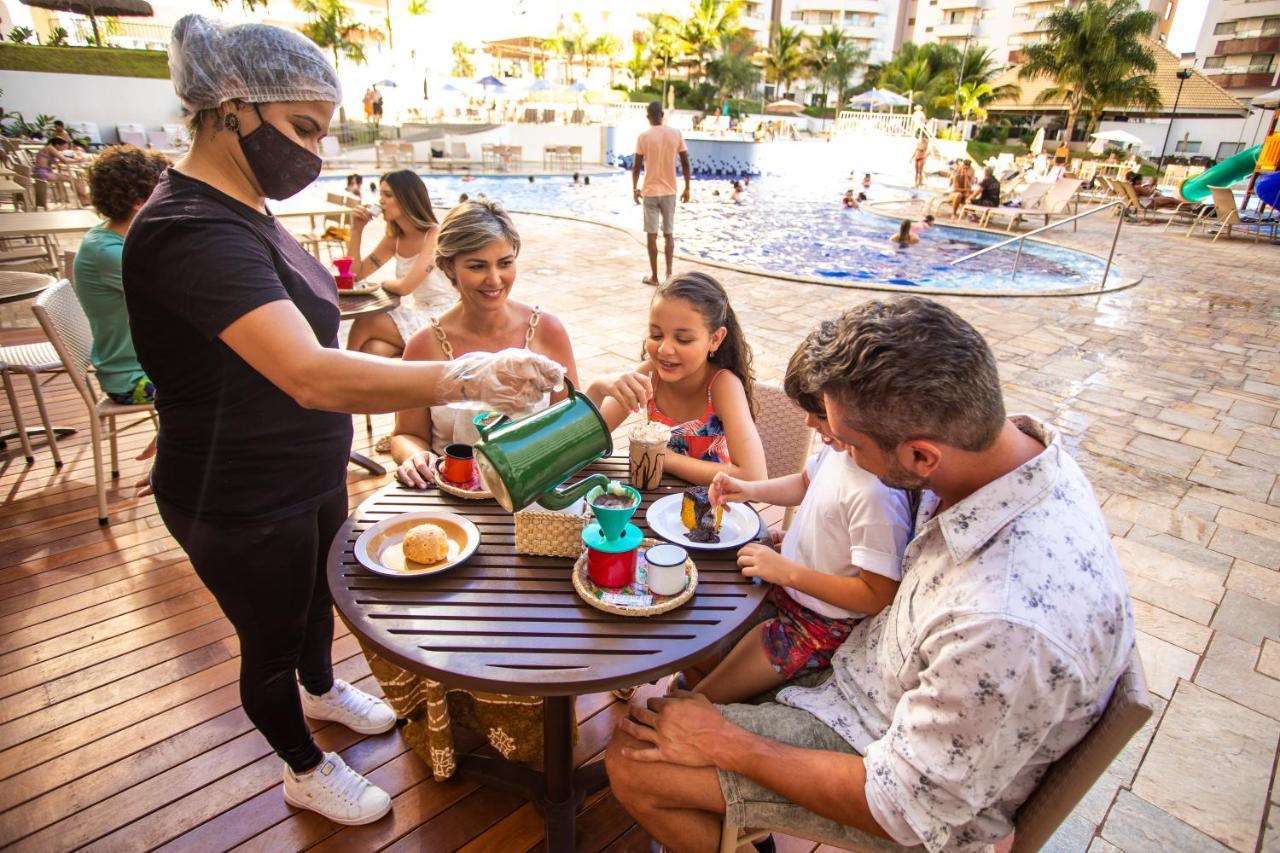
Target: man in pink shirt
656,151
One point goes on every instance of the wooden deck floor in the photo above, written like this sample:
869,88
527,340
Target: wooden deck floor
120,721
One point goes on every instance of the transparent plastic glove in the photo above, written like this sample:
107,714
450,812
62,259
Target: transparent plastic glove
510,381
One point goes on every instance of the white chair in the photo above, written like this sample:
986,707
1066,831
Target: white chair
86,129
133,134
1063,785
783,432
176,137
31,360
64,322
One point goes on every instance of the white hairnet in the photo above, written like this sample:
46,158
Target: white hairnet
212,64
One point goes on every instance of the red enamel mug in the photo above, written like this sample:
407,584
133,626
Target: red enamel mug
612,571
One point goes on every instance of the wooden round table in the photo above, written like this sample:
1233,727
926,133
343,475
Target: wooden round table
353,305
511,623
376,301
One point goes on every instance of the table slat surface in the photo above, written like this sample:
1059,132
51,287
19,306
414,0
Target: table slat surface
512,623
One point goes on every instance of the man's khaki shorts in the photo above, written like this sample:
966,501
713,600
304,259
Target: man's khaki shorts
752,806
659,205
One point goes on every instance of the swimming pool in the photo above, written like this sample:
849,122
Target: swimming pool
794,228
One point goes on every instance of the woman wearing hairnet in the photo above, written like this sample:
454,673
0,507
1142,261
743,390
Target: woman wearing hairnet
237,326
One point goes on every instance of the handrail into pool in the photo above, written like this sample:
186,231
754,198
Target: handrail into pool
1022,237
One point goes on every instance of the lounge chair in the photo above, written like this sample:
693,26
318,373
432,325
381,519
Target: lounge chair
1226,214
157,139
1028,203
531,115
132,134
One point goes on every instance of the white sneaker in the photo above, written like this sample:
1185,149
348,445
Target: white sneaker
350,706
336,791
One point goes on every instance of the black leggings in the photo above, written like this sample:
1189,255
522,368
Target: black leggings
269,579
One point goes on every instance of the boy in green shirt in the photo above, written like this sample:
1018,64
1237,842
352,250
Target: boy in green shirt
120,180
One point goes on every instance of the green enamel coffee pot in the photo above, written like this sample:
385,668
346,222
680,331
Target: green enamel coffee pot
527,460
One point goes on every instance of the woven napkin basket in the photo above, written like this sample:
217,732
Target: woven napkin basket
549,534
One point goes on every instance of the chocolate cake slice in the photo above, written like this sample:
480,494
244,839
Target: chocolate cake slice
699,516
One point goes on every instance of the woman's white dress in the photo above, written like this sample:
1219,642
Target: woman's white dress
412,313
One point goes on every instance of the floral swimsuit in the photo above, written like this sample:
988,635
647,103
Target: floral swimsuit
702,438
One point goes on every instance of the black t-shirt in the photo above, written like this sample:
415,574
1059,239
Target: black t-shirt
990,196
232,446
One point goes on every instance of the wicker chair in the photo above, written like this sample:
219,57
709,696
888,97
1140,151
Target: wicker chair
783,433
65,324
1063,786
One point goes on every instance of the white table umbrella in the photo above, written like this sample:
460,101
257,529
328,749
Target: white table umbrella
1037,144
1122,137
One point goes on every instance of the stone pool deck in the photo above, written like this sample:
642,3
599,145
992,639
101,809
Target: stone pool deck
1169,395
118,712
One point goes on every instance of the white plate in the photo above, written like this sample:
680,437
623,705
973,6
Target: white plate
380,549
738,526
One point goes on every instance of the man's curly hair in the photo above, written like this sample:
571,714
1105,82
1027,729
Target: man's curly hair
122,177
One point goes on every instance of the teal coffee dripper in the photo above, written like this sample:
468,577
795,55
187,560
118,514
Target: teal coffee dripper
613,521
527,460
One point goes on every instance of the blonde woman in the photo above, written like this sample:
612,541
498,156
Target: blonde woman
409,239
476,248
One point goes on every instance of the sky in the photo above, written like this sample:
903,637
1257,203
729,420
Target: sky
1186,25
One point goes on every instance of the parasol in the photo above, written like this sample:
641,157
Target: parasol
1037,143
93,9
879,98
784,106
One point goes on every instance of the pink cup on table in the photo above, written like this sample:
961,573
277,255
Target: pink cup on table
344,278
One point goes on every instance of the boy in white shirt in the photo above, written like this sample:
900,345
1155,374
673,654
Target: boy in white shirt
840,560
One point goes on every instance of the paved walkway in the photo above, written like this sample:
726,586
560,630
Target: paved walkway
1168,394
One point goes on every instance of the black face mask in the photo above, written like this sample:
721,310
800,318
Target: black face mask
281,166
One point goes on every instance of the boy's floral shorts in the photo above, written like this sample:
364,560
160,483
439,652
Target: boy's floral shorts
798,640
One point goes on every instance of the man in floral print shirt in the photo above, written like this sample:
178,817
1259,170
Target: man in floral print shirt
1000,651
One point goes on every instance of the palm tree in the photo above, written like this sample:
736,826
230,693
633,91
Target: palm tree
707,27
462,64
640,63
570,43
733,72
970,99
1096,44
847,61
1135,92
331,27
980,65
925,73
664,44
785,60
606,46
833,57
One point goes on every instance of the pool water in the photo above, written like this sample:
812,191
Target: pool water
791,227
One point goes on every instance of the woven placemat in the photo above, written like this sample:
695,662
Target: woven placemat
587,589
444,486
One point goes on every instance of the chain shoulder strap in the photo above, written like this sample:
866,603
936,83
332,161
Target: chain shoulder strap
533,326
445,346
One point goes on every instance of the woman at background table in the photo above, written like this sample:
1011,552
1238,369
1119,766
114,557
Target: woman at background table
237,325
120,182
409,239
476,249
